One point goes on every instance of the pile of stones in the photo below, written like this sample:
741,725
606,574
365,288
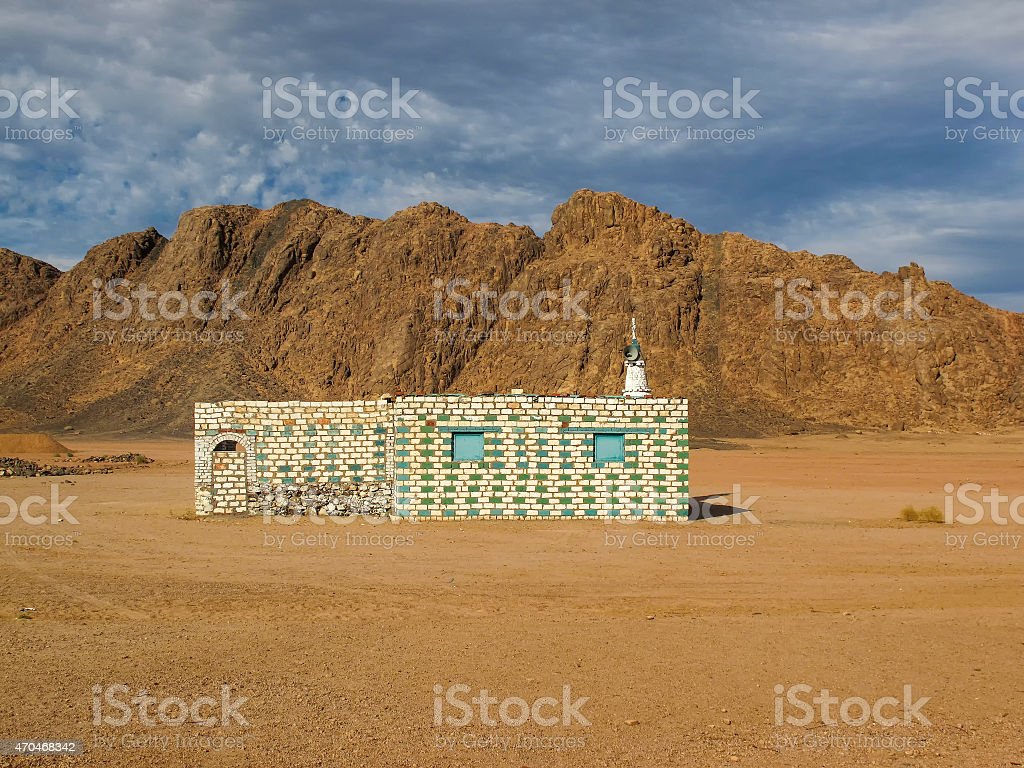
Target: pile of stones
11,467
373,499
121,458
93,465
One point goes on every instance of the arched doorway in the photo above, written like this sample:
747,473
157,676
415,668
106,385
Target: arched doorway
226,473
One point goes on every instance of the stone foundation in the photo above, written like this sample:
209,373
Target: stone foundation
373,499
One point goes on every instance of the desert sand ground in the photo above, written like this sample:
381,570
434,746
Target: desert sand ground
678,644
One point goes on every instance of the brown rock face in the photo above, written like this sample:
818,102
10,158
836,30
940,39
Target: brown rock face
24,283
308,302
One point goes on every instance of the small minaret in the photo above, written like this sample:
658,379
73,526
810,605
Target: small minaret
636,369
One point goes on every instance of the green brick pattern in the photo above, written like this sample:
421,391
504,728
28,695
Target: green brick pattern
538,458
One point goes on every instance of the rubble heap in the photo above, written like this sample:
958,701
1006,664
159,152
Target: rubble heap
341,500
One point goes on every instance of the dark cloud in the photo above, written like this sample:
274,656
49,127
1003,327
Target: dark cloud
850,154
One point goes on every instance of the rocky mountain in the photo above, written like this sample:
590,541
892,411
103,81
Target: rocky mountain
24,283
304,301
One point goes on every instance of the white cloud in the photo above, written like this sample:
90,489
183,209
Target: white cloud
884,229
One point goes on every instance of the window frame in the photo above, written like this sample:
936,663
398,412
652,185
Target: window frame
620,455
456,434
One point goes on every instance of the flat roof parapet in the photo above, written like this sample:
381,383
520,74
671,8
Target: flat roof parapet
377,403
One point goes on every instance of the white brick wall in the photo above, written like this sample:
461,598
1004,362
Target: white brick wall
538,459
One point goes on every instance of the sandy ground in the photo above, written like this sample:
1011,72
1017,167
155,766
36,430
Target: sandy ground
337,636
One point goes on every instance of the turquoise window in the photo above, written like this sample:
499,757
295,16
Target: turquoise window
467,446
609,447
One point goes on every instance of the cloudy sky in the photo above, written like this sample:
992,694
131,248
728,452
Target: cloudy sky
825,131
